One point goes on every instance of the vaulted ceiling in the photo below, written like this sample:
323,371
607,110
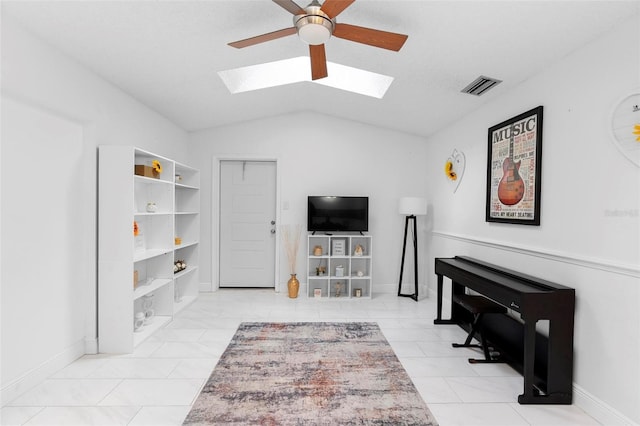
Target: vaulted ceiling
167,53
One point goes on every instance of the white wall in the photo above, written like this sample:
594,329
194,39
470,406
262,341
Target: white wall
580,243
55,114
320,155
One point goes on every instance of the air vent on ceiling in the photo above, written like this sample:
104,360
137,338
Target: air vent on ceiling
480,85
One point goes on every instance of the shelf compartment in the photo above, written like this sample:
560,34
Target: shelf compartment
320,241
339,288
189,270
320,283
155,232
187,228
187,199
146,158
149,190
364,285
145,289
186,177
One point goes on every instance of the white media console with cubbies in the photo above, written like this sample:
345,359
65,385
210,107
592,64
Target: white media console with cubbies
339,266
147,224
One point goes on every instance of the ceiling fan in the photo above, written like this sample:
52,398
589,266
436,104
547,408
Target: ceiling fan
316,23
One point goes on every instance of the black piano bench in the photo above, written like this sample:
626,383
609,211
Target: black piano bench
478,306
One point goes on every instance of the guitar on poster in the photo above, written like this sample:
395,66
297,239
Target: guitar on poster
511,186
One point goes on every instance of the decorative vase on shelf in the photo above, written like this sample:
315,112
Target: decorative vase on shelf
293,285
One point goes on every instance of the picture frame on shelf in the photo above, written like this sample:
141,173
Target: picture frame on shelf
514,169
338,247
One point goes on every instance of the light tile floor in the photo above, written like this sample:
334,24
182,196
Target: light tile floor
157,384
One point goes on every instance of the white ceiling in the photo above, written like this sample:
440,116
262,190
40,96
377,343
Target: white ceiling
167,53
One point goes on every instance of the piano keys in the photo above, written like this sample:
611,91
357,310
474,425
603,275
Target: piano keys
545,361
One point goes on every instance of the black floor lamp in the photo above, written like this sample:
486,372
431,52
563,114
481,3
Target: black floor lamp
411,207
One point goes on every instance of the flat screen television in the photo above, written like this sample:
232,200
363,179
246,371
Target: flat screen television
337,214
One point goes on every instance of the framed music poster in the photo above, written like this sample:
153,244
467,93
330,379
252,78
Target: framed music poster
513,169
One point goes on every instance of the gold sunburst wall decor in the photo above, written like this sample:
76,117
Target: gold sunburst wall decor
625,127
454,168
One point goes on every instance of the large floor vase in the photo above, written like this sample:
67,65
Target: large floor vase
293,285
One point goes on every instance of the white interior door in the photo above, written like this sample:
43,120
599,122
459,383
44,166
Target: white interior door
247,223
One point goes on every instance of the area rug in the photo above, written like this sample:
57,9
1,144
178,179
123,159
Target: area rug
309,374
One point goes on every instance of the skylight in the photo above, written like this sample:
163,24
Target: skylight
295,70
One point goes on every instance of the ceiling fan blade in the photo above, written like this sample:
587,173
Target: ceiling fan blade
335,7
376,38
262,38
291,7
318,61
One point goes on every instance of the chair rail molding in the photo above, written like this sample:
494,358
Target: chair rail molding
557,256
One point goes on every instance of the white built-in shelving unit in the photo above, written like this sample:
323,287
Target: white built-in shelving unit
167,234
339,266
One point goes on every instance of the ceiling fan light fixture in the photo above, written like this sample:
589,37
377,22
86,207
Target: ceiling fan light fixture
314,33
315,27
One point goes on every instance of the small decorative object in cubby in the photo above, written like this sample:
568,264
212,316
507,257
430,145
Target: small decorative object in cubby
138,322
179,265
338,289
359,250
178,178
338,247
152,171
136,229
317,251
321,270
357,292
339,271
147,306
135,279
177,240
317,293
151,207
359,273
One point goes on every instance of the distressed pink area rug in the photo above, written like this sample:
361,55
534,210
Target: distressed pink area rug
309,374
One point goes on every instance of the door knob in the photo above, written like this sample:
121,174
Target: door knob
273,222
273,231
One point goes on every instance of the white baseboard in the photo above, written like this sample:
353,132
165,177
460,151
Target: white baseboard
40,373
598,409
206,288
385,288
91,346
